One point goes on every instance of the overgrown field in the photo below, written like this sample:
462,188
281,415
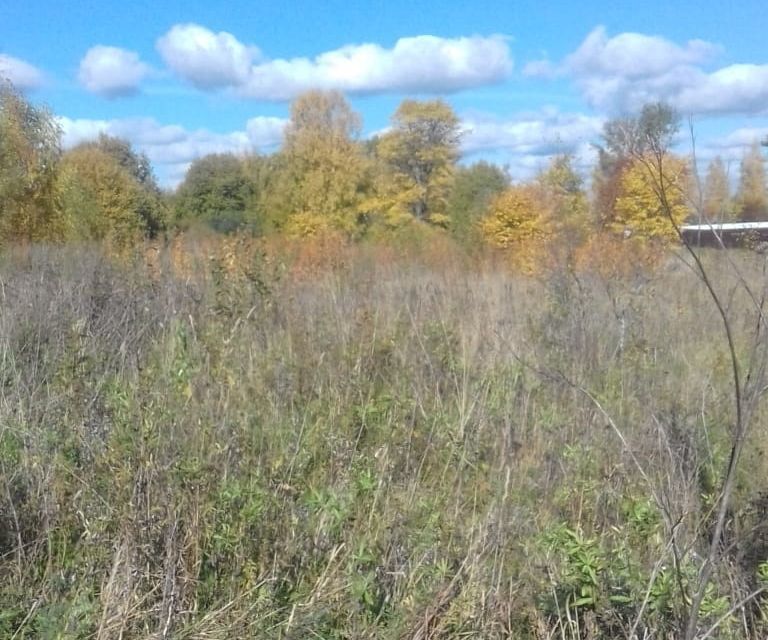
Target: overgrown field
372,449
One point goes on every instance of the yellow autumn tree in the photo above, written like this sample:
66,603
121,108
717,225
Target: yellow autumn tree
321,165
517,223
29,155
650,194
101,197
419,155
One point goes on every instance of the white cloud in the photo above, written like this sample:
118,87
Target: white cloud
172,147
526,141
740,88
621,73
21,73
634,55
206,59
420,64
111,72
542,133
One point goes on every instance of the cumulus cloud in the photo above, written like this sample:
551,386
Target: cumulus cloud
206,59
526,141
634,55
111,72
627,70
172,147
425,63
738,88
621,73
22,74
541,133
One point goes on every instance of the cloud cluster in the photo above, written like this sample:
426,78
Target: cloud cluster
21,73
526,141
538,134
211,60
112,72
171,148
620,73
206,59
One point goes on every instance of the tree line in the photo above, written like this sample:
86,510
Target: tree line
327,178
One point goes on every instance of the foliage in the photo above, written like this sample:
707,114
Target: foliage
215,191
101,197
717,203
420,152
517,223
646,136
473,188
640,210
322,165
149,205
752,193
562,195
29,156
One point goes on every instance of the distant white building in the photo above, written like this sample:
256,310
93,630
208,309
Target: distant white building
725,233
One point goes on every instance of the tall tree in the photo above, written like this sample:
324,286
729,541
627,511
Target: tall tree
322,164
29,155
421,152
752,195
645,138
717,203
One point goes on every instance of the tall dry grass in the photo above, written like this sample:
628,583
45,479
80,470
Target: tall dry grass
245,440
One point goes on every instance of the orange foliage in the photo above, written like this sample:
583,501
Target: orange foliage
612,257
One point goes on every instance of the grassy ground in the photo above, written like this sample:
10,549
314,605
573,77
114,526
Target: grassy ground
372,449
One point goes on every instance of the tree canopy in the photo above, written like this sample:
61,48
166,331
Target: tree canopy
421,151
215,191
30,150
322,164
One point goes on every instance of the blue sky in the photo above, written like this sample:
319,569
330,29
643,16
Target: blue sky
528,79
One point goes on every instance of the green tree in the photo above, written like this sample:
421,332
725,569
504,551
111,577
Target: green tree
420,153
321,165
752,194
265,202
216,191
29,156
473,188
